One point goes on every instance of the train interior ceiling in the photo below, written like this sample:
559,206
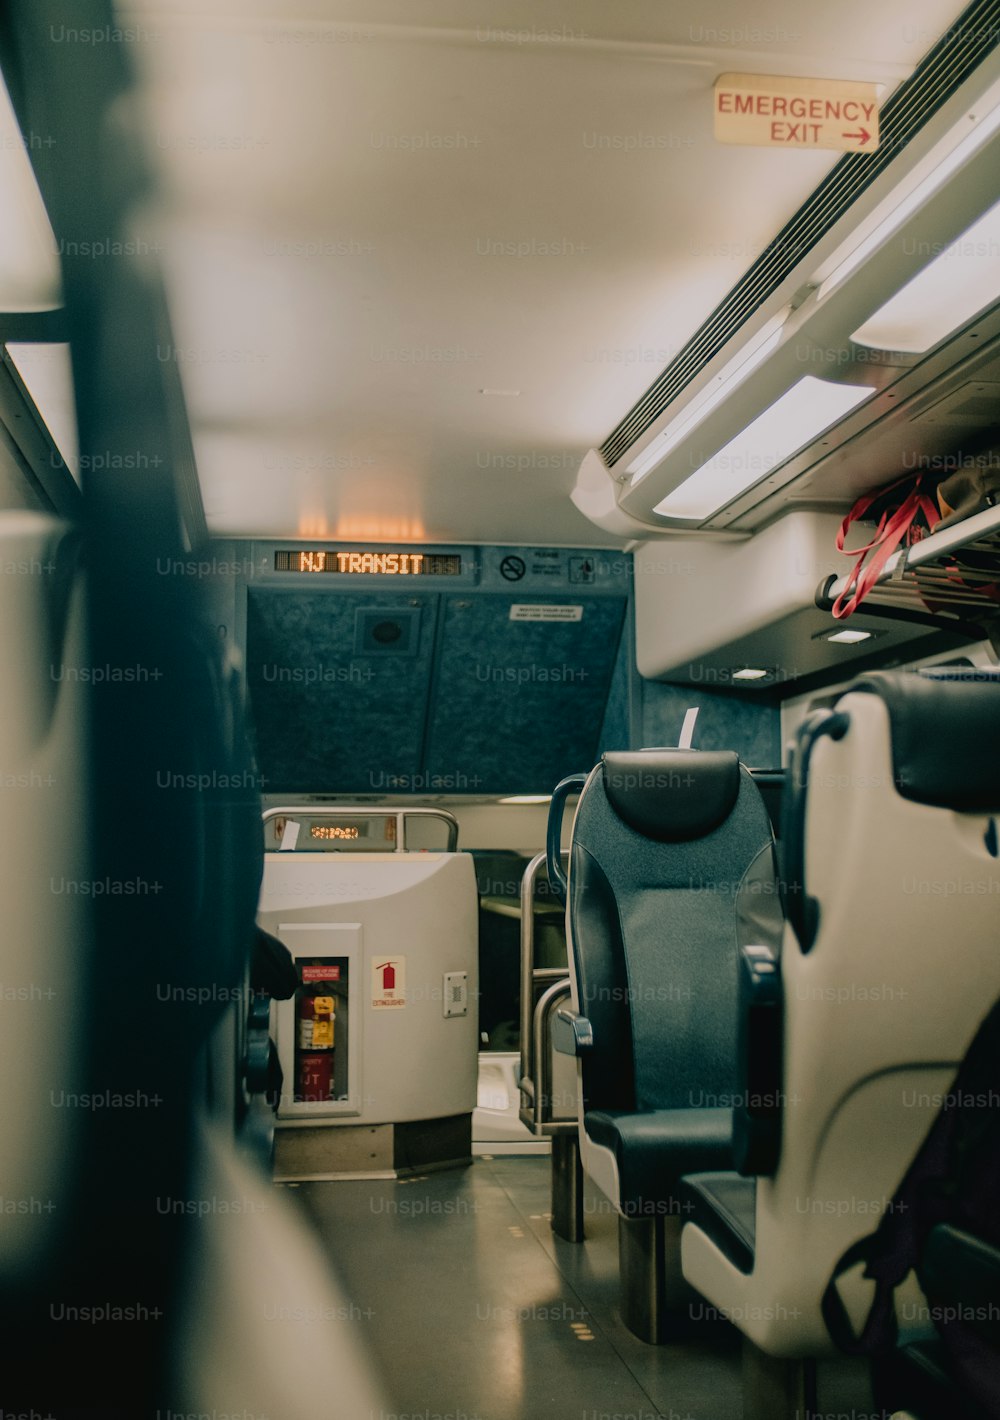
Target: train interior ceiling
407,406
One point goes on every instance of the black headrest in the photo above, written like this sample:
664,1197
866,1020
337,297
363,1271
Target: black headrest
945,730
672,794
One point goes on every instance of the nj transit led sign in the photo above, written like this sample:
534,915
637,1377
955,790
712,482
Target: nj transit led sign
371,564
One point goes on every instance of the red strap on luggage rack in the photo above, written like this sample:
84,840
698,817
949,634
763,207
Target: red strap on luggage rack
895,526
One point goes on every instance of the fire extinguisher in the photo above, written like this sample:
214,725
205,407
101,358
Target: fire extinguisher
314,1080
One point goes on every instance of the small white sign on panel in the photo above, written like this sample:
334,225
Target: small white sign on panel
772,111
529,611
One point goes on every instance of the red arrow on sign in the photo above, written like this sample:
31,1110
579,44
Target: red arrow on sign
862,135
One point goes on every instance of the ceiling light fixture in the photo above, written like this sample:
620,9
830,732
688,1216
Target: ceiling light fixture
850,638
793,421
984,129
729,377
961,281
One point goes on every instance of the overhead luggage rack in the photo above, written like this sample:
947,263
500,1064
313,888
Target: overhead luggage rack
948,579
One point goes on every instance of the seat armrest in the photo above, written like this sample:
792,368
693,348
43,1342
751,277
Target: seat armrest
757,1115
572,1034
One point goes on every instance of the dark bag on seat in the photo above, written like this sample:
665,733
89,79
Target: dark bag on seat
967,492
954,1180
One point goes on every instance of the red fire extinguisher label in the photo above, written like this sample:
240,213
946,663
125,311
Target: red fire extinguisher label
388,982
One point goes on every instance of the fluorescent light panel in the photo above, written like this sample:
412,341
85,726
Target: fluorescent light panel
924,190
799,416
751,673
729,377
903,326
961,281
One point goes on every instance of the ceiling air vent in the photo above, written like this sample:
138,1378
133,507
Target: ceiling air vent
973,405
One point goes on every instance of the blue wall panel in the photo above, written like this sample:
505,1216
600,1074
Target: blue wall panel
519,704
328,720
619,728
751,728
487,696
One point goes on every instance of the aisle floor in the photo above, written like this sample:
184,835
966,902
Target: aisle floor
475,1310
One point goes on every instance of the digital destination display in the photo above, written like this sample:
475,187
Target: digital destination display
371,564
335,830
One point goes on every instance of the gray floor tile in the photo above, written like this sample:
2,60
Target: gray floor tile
478,1312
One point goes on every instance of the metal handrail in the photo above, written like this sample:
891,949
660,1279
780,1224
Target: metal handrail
528,956
574,784
539,1097
349,811
531,975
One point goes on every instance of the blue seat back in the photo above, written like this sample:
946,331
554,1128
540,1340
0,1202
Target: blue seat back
671,870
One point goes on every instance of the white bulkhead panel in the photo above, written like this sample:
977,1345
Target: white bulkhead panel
403,922
693,596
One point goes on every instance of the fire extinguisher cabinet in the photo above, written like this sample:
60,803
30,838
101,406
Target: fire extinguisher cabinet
379,1045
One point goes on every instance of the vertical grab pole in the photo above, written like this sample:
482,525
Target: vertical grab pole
528,965
567,1171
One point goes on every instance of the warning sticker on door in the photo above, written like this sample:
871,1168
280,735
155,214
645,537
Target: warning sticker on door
529,611
388,982
325,971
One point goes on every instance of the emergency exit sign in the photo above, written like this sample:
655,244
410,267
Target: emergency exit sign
769,111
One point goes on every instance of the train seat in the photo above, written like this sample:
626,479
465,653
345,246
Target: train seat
850,1040
671,867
